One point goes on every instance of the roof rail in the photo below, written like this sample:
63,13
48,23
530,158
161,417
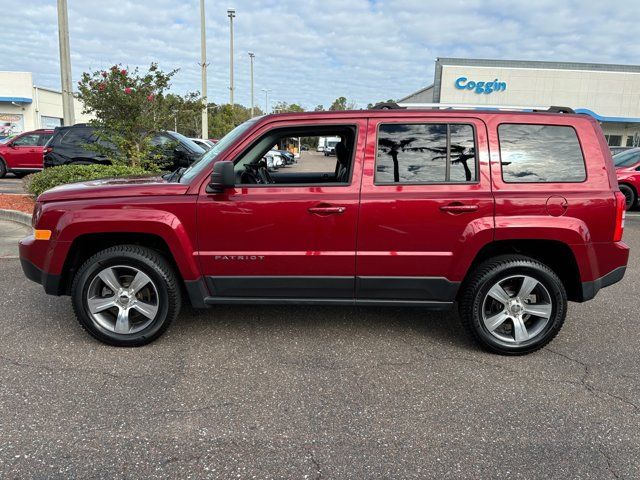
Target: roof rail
462,106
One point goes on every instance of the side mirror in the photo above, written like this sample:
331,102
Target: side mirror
11,145
222,177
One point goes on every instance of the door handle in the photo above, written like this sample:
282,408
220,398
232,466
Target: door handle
459,208
326,210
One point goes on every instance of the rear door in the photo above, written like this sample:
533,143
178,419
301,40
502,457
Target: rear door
426,207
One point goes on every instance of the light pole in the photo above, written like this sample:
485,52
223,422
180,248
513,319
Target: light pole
231,13
251,57
68,112
266,100
203,64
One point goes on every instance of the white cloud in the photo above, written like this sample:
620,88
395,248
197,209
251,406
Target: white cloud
313,51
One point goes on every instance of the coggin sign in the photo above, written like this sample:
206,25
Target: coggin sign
463,83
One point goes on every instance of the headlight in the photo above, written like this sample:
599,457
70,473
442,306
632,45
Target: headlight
37,213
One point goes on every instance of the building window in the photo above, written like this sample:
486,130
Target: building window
540,153
630,141
425,153
614,140
50,122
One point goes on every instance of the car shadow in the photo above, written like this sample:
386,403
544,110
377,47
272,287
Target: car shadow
438,327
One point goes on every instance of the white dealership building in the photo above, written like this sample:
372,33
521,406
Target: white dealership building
24,106
609,93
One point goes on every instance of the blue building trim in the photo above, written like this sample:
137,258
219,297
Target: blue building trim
16,99
601,118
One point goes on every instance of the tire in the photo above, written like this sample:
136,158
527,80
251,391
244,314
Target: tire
3,168
149,310
505,327
629,195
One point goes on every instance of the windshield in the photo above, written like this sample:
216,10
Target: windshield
627,159
204,161
189,144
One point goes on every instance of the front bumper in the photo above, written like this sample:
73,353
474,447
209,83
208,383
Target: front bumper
50,282
34,255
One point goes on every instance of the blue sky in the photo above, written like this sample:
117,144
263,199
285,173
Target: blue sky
309,51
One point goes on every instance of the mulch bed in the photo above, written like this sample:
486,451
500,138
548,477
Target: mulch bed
22,203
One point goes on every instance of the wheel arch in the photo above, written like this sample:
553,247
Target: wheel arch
558,256
86,245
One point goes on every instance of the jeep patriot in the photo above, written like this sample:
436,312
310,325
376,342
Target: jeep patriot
507,215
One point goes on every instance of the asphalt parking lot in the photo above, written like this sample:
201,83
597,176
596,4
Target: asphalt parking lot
11,184
318,392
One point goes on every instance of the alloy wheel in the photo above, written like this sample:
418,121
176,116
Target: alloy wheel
122,299
516,309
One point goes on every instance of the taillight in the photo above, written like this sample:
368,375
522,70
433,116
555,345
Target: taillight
620,214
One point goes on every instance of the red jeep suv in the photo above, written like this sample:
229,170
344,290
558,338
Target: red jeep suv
23,153
507,214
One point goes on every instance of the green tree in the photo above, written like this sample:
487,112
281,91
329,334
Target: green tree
339,103
129,108
224,118
184,114
284,107
319,108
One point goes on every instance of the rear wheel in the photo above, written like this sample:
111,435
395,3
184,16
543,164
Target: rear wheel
629,196
126,295
513,305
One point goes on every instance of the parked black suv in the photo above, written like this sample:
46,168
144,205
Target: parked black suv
71,145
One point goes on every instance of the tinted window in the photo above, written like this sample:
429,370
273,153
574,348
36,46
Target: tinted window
187,143
540,153
26,140
44,138
78,136
627,159
419,153
462,153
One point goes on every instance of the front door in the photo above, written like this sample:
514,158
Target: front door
26,152
426,207
286,232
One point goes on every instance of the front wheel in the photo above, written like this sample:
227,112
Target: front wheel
3,168
513,305
126,295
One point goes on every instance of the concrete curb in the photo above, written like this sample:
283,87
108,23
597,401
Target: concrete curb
16,216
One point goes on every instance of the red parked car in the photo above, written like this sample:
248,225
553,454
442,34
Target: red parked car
507,214
628,173
23,153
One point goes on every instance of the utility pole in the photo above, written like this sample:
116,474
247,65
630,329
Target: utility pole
231,13
251,57
68,112
203,51
266,100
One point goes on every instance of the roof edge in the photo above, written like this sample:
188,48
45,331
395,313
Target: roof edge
486,62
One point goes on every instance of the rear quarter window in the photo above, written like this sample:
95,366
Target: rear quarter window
540,154
77,136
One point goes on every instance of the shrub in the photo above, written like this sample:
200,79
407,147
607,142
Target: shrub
52,177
